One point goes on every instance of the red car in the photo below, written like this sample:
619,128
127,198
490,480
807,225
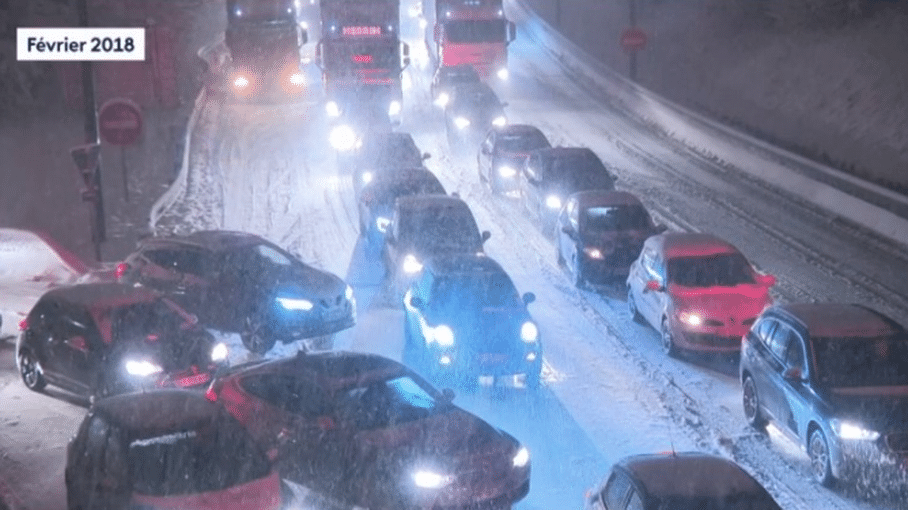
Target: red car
365,430
167,450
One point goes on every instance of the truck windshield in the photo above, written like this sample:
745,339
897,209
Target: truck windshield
470,31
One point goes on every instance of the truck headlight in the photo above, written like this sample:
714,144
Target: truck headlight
142,368
297,79
343,138
241,82
394,108
299,304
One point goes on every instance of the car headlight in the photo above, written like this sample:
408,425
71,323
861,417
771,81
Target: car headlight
461,122
690,318
241,82
299,304
443,335
382,224
503,74
394,108
442,99
593,253
219,352
142,368
507,171
343,138
348,293
412,264
529,333
853,431
499,121
431,480
297,79
553,202
367,177
332,109
521,458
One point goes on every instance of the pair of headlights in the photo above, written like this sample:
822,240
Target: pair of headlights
432,479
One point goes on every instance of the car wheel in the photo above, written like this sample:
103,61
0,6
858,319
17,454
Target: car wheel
818,450
751,402
255,336
632,306
30,370
668,340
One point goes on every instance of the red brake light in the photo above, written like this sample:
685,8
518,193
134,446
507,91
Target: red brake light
23,324
122,267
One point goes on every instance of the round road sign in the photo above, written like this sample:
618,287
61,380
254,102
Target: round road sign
633,39
120,121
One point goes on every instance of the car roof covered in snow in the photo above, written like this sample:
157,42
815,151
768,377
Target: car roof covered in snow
210,239
690,244
602,198
839,320
689,475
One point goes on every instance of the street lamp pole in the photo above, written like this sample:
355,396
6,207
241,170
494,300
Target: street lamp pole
98,228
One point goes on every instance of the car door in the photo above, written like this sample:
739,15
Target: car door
55,364
796,402
78,349
651,303
772,391
568,230
484,158
531,180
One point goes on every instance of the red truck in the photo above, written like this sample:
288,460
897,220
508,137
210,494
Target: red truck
473,32
361,56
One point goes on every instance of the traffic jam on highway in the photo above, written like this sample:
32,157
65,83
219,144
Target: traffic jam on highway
222,368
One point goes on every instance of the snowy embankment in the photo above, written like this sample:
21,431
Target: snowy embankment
876,208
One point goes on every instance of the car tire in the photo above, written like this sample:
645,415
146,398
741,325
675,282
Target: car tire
818,451
30,371
668,340
632,307
751,404
255,336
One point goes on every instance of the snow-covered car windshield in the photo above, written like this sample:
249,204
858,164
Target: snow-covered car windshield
441,227
384,403
611,218
522,143
721,270
862,361
255,259
139,320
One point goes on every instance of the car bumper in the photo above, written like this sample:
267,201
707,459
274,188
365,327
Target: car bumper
699,341
611,268
470,365
868,460
483,492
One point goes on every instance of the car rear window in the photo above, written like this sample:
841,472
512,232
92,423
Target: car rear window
720,270
217,455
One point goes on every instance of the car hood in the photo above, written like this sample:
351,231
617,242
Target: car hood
308,281
450,436
739,303
881,408
600,239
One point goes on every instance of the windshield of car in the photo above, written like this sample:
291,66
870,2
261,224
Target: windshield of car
475,31
475,290
195,460
521,143
861,361
579,174
399,188
720,270
611,218
254,259
384,403
399,152
147,320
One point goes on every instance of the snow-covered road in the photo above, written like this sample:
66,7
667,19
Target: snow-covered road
608,389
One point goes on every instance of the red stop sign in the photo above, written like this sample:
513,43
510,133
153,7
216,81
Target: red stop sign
120,121
633,39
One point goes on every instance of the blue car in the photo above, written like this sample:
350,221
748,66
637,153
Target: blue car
465,319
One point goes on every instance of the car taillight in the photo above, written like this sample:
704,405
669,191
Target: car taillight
23,324
122,267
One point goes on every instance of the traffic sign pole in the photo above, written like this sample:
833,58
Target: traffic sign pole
98,227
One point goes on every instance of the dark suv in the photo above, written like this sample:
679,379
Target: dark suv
104,338
239,282
464,319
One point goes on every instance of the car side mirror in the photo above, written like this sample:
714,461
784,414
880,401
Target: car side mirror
417,302
654,285
426,155
486,235
767,280
569,230
793,374
447,394
528,297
